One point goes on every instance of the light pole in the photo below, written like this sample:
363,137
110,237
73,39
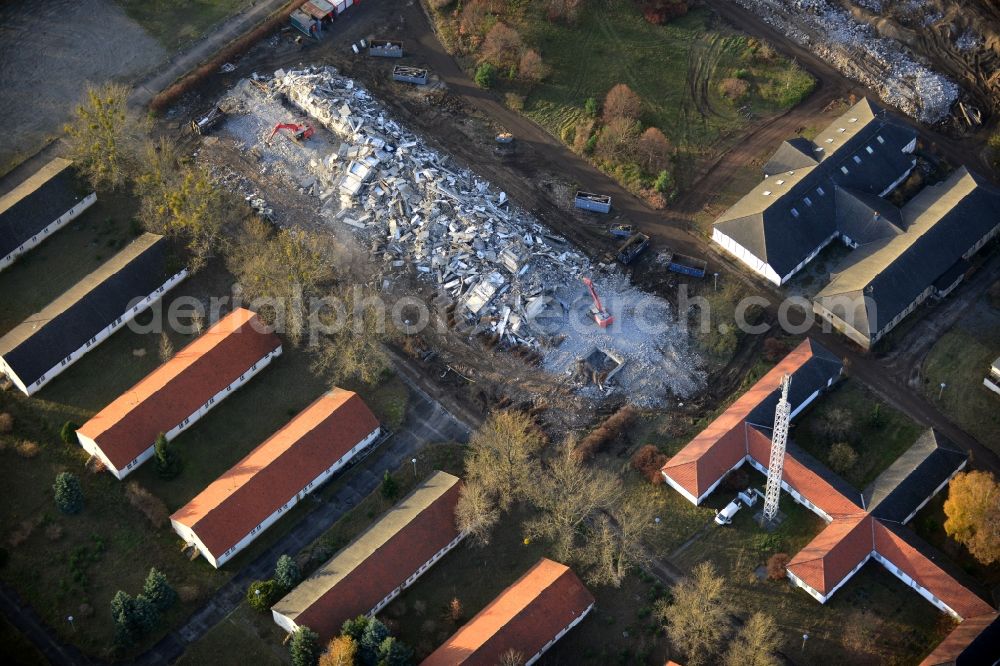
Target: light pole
72,626
414,461
941,392
805,637
716,276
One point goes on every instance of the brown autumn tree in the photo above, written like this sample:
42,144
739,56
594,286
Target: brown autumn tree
621,102
502,46
531,68
104,136
973,514
755,644
472,20
648,461
777,566
616,544
697,621
567,11
617,140
653,150
842,457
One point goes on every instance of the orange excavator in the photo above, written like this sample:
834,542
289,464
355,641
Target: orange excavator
601,316
299,133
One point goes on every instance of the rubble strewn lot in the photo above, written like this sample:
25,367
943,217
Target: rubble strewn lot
856,49
418,213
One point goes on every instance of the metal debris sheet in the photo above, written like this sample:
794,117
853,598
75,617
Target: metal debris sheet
418,212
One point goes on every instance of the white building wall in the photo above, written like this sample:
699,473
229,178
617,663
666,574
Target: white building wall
746,257
562,632
94,449
816,594
906,174
54,226
100,337
923,591
940,487
270,520
417,574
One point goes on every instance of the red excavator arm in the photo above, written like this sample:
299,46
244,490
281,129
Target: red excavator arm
601,316
299,132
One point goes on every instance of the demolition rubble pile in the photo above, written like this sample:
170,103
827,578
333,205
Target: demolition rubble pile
418,213
856,49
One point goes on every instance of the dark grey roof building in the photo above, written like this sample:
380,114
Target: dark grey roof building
49,341
885,280
780,225
915,477
815,375
38,207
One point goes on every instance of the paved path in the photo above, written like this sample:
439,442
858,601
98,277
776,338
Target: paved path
427,422
188,59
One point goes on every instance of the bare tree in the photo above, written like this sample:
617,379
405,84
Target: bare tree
502,46
352,346
621,102
566,495
755,644
284,269
616,543
476,512
512,658
531,68
182,201
653,150
473,18
617,140
503,456
698,619
166,347
104,135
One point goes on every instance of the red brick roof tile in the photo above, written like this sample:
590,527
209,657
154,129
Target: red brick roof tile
275,471
165,397
804,480
378,561
835,551
927,573
525,617
955,643
720,446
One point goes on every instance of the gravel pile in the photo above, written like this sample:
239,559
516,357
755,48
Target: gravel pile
420,213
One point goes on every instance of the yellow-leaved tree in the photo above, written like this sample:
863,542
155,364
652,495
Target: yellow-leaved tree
973,511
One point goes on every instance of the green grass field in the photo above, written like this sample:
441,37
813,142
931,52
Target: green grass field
960,359
18,650
41,275
905,626
675,68
877,446
73,565
174,23
620,628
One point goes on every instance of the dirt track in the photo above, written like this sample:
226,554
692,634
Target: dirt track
957,150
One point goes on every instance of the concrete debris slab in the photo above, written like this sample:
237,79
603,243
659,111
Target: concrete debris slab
423,215
885,65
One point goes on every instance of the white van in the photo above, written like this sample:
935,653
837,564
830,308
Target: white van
725,516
